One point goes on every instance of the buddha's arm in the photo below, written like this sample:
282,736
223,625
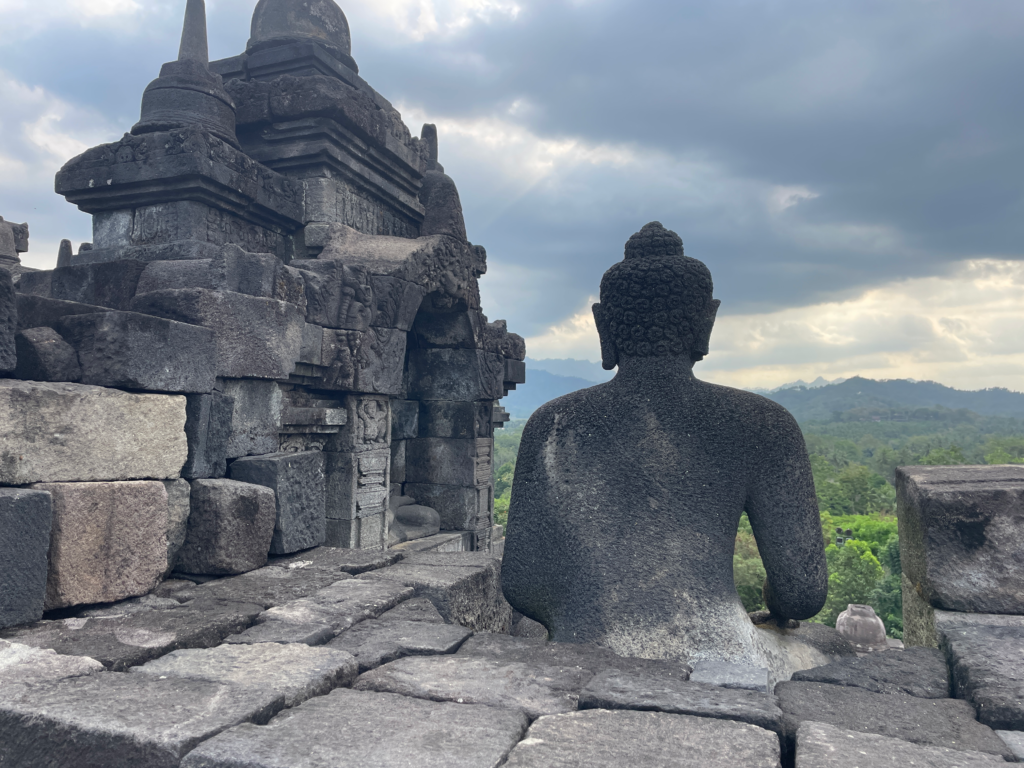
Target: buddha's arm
783,512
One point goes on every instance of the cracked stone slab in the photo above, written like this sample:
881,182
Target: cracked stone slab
824,746
283,632
917,671
358,729
269,586
417,609
298,672
341,605
378,642
121,721
124,641
603,739
946,723
987,663
536,690
352,561
612,689
727,675
25,664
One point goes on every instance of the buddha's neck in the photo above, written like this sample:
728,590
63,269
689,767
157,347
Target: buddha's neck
658,370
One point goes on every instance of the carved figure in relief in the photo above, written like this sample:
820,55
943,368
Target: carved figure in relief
373,421
628,495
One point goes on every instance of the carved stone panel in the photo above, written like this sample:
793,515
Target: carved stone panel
371,361
357,484
368,426
397,302
449,462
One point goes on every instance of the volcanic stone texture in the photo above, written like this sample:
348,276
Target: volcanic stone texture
920,672
112,284
121,721
825,746
109,541
25,664
8,322
728,675
73,433
255,418
600,739
299,483
341,605
368,730
208,429
374,643
268,586
43,355
230,528
988,670
26,518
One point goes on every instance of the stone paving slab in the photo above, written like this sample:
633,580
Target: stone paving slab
357,729
946,723
612,689
536,690
113,720
417,609
342,605
121,642
352,561
603,739
296,671
1015,741
283,632
727,675
379,642
988,670
919,671
25,664
268,586
824,746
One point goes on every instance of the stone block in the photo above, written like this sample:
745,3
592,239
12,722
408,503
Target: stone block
334,560
367,425
599,739
295,671
270,586
920,672
454,330
179,507
283,632
417,609
455,374
229,528
337,295
948,723
111,285
825,746
121,721
25,664
405,419
727,675
255,418
341,605
312,344
1015,741
43,355
108,542
26,518
208,420
133,351
356,728
461,508
371,361
444,461
8,322
42,312
987,665
515,372
962,536
534,690
121,639
397,302
256,338
357,484
298,482
463,421
374,643
36,283
56,432
398,454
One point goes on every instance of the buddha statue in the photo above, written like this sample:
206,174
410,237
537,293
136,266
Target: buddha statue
627,496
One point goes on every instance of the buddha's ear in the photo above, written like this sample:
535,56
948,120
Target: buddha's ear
704,340
609,354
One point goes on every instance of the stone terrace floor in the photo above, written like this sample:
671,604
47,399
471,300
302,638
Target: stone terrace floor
375,660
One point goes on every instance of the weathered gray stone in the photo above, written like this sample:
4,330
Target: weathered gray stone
43,355
111,285
25,664
298,482
378,642
398,302
727,675
405,417
296,671
961,536
398,448
462,421
461,508
417,609
946,723
269,586
256,418
455,374
8,322
256,338
283,632
357,729
525,628
337,560
536,690
648,690
370,361
468,594
108,542
133,351
824,746
127,639
920,672
229,529
26,518
987,665
446,461
341,605
121,721
72,432
208,429
357,484
600,739
179,507
1015,741
41,312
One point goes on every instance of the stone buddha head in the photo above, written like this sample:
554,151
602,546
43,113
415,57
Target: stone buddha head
657,302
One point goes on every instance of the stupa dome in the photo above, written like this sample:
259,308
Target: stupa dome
278,21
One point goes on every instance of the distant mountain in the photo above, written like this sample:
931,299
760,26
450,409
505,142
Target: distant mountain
822,402
581,369
821,381
540,387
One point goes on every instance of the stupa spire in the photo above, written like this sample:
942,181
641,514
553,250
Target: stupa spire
194,42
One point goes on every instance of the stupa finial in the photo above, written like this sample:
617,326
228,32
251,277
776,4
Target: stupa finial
194,43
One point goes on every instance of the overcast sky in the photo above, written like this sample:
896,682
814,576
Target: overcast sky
851,171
